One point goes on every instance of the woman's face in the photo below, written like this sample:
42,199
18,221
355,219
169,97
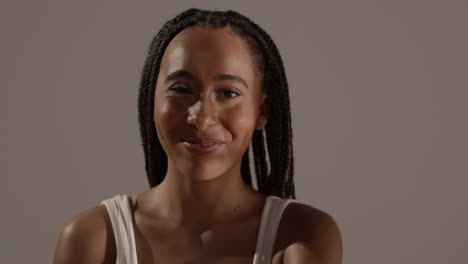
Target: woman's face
207,88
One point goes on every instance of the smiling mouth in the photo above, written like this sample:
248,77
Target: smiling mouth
202,147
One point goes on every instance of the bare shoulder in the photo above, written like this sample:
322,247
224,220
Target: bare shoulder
86,238
315,236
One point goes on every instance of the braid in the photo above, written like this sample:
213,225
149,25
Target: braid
245,168
278,131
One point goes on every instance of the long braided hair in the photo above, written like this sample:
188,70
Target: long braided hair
276,180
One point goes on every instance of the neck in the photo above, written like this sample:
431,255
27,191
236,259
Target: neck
187,201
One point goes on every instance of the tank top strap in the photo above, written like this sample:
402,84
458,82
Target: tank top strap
120,214
270,219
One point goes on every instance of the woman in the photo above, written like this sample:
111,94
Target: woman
213,82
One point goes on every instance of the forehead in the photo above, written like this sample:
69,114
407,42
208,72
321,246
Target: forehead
207,52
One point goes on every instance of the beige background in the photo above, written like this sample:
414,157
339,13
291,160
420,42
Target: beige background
378,91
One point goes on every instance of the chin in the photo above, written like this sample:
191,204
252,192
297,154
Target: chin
205,171
202,167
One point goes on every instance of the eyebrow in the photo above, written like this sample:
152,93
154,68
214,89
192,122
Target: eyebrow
219,77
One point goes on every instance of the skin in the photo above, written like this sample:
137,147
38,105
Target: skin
203,212
195,185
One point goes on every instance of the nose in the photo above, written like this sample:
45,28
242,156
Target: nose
203,113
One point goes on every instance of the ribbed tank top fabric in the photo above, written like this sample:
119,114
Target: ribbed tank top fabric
270,219
120,214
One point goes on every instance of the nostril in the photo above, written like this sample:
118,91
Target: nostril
201,117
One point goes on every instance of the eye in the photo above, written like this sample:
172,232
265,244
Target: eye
229,93
179,89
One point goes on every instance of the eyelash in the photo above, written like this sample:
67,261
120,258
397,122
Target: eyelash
182,89
178,88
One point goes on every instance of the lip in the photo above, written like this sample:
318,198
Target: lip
202,145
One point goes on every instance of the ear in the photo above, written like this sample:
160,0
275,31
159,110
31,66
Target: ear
262,117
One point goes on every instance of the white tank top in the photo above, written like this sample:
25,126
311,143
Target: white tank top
120,214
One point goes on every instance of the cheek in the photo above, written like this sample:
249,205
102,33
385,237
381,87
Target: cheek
168,115
241,121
